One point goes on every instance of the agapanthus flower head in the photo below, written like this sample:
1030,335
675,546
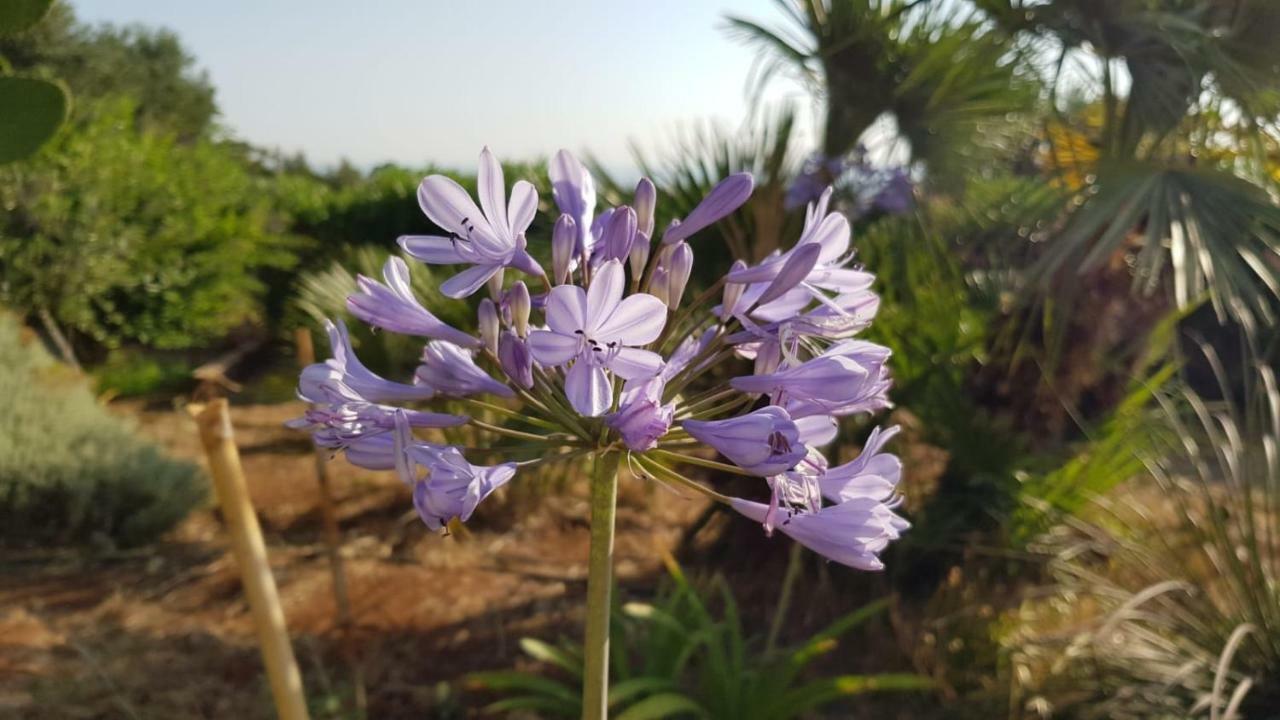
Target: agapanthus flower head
616,352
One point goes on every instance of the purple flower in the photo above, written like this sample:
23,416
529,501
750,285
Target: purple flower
728,195
867,395
641,418
344,379
873,474
363,430
597,330
449,370
838,382
575,194
453,487
851,533
394,307
488,240
779,277
765,442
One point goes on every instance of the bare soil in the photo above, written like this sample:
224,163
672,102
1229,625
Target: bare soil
165,632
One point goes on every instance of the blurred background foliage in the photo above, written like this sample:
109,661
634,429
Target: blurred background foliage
1065,202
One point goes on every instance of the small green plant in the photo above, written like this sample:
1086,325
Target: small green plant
678,657
70,471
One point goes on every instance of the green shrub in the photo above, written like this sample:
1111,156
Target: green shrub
69,470
135,374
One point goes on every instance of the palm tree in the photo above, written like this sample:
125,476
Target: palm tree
949,81
1173,141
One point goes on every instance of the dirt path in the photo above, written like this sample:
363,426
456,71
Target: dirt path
165,633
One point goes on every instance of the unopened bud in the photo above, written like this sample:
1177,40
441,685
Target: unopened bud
796,268
646,199
768,357
514,357
639,254
619,234
488,322
678,269
518,300
495,283
658,284
563,238
732,292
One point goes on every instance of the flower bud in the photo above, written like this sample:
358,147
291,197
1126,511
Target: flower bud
514,357
488,322
518,300
619,233
563,237
768,357
495,283
639,254
728,195
646,199
797,267
732,292
678,269
658,284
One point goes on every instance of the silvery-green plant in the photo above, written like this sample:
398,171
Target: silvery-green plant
1186,591
553,346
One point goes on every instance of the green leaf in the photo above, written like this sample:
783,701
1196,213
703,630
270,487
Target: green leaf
528,682
662,706
542,705
32,110
822,692
18,15
548,653
627,689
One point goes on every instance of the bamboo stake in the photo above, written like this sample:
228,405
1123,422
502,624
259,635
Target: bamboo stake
214,421
333,543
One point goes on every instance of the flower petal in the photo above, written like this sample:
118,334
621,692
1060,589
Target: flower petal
432,249
492,189
588,388
449,206
552,348
566,309
607,284
468,281
637,320
633,363
524,205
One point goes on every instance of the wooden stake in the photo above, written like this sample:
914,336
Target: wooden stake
333,548
214,420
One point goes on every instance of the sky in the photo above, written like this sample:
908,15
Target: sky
418,81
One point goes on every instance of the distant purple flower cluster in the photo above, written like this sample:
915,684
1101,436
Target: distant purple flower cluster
887,190
608,357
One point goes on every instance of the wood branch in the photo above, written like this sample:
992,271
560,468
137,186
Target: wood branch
215,371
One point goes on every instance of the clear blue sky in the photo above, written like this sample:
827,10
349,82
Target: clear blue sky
415,81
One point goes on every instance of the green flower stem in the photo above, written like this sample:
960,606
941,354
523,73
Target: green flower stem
554,438
667,475
604,501
694,460
508,412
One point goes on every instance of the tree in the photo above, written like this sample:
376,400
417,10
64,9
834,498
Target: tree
125,235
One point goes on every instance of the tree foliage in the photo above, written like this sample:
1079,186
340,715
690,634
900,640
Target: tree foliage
128,235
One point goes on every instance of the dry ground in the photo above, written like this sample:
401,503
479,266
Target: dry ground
165,633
